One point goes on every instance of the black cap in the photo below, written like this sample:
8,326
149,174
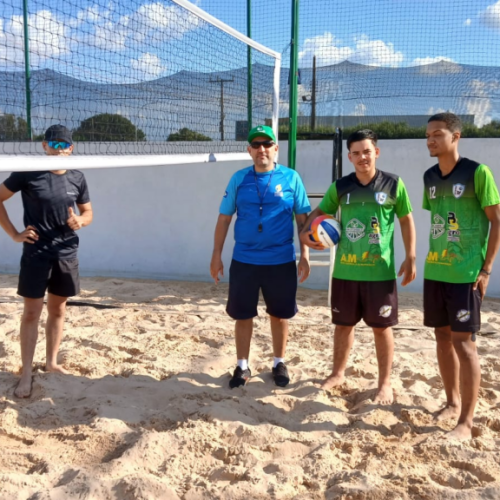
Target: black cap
58,133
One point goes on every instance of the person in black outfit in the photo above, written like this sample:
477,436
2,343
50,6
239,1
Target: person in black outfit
50,243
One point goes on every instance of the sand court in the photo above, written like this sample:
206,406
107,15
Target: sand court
147,412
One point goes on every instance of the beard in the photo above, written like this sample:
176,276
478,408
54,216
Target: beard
263,162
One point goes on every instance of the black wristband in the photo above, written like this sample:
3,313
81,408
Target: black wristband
485,272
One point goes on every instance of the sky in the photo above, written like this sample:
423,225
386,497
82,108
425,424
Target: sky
378,32
131,41
144,35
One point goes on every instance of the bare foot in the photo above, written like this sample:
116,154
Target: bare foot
448,412
384,395
56,369
332,381
462,432
23,389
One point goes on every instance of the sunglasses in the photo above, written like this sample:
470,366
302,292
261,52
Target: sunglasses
258,144
59,144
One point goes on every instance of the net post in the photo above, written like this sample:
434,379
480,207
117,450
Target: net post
27,72
249,65
337,155
276,96
293,104
340,155
334,158
313,96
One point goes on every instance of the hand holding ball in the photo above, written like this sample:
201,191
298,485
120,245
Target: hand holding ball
325,230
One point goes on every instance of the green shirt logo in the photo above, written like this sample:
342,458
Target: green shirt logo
354,230
437,228
458,190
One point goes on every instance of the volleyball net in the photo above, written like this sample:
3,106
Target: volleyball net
137,83
386,64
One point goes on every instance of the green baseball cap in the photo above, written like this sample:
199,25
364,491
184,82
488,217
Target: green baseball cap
260,130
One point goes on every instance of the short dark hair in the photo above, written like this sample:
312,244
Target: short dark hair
452,121
361,135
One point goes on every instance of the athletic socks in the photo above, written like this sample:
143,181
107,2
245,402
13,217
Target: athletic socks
243,364
278,360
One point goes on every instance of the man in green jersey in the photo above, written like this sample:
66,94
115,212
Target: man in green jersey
364,277
463,199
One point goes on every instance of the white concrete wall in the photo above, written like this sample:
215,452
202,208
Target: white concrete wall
409,159
149,222
158,222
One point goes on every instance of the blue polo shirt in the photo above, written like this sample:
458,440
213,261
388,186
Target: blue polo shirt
282,193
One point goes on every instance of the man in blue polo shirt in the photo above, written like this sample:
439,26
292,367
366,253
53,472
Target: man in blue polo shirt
265,196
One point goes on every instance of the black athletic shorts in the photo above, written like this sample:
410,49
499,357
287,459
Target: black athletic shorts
38,274
374,301
452,304
277,282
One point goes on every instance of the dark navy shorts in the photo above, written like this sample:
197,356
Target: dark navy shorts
374,301
38,274
452,304
278,284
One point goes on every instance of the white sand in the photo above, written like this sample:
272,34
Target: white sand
147,412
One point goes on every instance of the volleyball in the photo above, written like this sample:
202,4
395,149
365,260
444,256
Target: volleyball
325,230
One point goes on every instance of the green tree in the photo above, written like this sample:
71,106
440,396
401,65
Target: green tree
389,130
186,134
13,128
492,129
108,128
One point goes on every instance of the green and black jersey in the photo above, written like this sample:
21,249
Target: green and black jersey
459,226
366,248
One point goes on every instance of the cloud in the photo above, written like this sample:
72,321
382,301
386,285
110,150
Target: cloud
106,36
151,24
90,14
48,38
157,19
479,104
329,50
54,36
376,53
434,111
467,22
326,48
149,65
491,16
360,110
481,109
421,61
94,14
428,66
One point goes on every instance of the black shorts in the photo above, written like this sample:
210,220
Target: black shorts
38,274
452,304
277,282
374,301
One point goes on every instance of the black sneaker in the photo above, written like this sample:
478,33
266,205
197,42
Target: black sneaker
280,375
239,377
